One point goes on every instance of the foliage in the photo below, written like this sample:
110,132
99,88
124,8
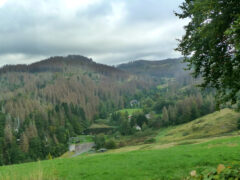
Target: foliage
99,141
211,44
110,144
150,140
238,123
220,173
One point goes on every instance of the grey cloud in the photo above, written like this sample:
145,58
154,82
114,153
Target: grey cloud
152,10
110,31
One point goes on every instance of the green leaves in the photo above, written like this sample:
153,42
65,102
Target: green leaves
211,44
220,173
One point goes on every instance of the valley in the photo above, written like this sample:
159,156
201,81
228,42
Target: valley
80,119
120,90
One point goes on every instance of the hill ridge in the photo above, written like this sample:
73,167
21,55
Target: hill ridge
58,63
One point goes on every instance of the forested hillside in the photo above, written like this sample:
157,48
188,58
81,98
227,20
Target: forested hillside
160,68
45,103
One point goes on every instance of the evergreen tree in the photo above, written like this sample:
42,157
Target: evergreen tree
165,117
172,110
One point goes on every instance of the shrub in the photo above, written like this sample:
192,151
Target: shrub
121,144
147,132
111,144
150,140
238,124
99,141
220,173
185,133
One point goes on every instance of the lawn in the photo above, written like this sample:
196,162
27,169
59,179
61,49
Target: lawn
82,139
130,111
197,145
169,163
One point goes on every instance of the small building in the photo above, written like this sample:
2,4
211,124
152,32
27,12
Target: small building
148,116
134,103
72,147
129,118
138,128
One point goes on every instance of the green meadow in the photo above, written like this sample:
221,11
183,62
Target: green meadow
130,111
177,151
168,163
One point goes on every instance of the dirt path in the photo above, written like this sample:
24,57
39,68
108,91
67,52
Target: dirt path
82,148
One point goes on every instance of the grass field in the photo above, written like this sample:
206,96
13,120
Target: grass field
216,124
173,156
82,139
130,111
169,163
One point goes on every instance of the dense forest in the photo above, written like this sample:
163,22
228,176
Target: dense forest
43,104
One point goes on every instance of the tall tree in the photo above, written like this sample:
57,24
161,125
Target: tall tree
24,143
165,117
211,44
172,110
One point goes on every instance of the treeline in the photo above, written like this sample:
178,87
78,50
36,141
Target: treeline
183,111
164,113
177,101
127,123
41,135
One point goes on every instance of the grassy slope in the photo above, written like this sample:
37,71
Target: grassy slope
215,124
170,163
154,161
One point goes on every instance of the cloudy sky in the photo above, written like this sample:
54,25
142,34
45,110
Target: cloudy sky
109,31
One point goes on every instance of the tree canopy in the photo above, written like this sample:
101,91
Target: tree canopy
211,45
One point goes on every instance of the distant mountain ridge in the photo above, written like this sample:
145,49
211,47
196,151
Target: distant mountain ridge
158,68
59,63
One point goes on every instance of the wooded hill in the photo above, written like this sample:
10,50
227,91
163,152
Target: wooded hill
159,68
45,103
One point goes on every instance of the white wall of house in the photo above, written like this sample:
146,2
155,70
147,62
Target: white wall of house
72,147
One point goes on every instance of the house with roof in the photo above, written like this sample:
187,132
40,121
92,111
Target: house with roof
134,103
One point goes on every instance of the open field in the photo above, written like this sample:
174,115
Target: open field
169,163
130,111
214,140
82,139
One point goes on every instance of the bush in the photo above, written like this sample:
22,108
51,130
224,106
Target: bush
121,144
185,133
147,132
238,124
110,144
220,173
99,141
150,140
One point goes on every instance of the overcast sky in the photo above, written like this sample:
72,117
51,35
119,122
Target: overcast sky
109,31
